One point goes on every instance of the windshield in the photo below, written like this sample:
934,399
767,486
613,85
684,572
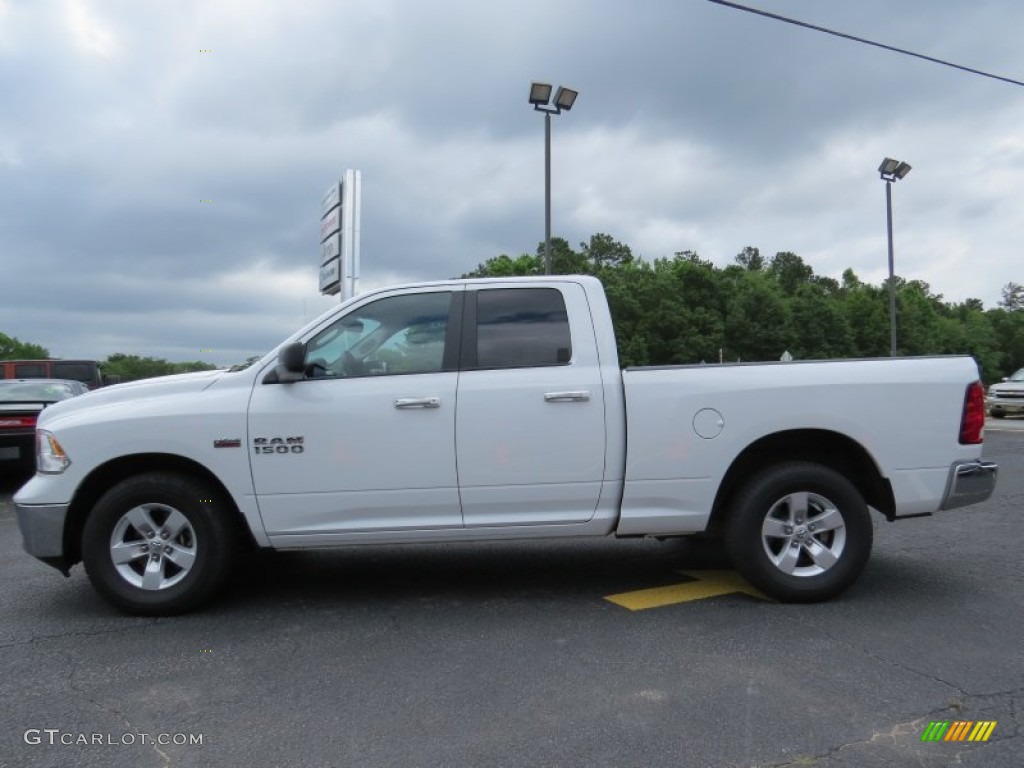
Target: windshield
34,390
1018,376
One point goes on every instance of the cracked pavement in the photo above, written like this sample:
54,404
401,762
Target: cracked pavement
508,655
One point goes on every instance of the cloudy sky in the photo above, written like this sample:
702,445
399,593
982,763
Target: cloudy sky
697,127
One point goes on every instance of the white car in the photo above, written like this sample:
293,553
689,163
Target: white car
1007,397
475,410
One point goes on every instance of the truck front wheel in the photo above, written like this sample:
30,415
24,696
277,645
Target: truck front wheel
799,531
158,544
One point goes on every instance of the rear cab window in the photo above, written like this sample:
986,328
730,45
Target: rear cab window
30,371
519,328
85,372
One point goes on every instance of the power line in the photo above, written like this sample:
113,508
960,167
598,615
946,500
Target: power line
893,48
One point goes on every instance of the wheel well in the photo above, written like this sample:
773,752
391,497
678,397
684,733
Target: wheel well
830,449
105,476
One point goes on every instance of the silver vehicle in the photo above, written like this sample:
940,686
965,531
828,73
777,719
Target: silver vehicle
1007,397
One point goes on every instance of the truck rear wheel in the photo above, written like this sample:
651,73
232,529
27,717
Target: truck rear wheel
799,531
158,544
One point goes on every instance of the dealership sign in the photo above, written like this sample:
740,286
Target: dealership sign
330,276
330,249
339,235
331,199
330,223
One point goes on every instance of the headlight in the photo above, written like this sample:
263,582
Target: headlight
50,456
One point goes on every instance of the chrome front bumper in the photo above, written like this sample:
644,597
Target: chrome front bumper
969,482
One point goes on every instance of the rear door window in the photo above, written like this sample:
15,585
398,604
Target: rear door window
30,371
87,373
521,328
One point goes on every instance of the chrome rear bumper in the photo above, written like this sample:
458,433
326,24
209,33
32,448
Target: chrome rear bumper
969,482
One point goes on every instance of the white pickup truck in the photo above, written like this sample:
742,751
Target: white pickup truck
478,410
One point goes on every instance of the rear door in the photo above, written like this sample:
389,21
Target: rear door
530,426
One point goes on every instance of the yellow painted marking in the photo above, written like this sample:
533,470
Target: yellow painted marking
706,584
983,730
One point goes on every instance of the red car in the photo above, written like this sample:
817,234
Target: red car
21,401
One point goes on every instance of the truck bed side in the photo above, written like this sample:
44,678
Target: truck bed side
688,425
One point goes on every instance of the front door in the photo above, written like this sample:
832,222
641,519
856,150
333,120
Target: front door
366,441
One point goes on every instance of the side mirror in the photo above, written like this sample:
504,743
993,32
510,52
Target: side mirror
1005,378
291,360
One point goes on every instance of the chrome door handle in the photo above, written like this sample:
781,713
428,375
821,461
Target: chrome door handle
575,396
418,402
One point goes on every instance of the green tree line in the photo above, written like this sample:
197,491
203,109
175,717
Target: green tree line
133,367
13,349
124,367
684,309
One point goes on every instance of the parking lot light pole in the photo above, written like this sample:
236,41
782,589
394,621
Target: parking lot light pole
891,170
540,97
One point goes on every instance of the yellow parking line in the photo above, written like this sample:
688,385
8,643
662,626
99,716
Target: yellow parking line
705,584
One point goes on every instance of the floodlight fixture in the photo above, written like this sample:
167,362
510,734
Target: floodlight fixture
565,97
893,170
540,94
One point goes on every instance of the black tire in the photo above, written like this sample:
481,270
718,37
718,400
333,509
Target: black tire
765,522
202,540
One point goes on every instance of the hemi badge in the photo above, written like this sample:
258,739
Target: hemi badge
236,443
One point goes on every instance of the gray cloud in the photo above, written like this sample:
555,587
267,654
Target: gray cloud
697,127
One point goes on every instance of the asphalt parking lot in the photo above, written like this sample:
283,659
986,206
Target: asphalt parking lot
511,655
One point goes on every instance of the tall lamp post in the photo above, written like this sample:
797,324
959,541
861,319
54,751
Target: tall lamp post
891,170
540,97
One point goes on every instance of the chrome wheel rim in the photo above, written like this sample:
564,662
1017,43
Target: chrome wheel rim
153,546
803,534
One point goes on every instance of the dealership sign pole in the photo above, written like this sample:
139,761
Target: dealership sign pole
340,210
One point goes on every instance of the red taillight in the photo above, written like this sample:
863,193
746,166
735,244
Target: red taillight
17,422
972,422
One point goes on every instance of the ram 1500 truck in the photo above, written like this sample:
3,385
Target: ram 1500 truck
489,409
